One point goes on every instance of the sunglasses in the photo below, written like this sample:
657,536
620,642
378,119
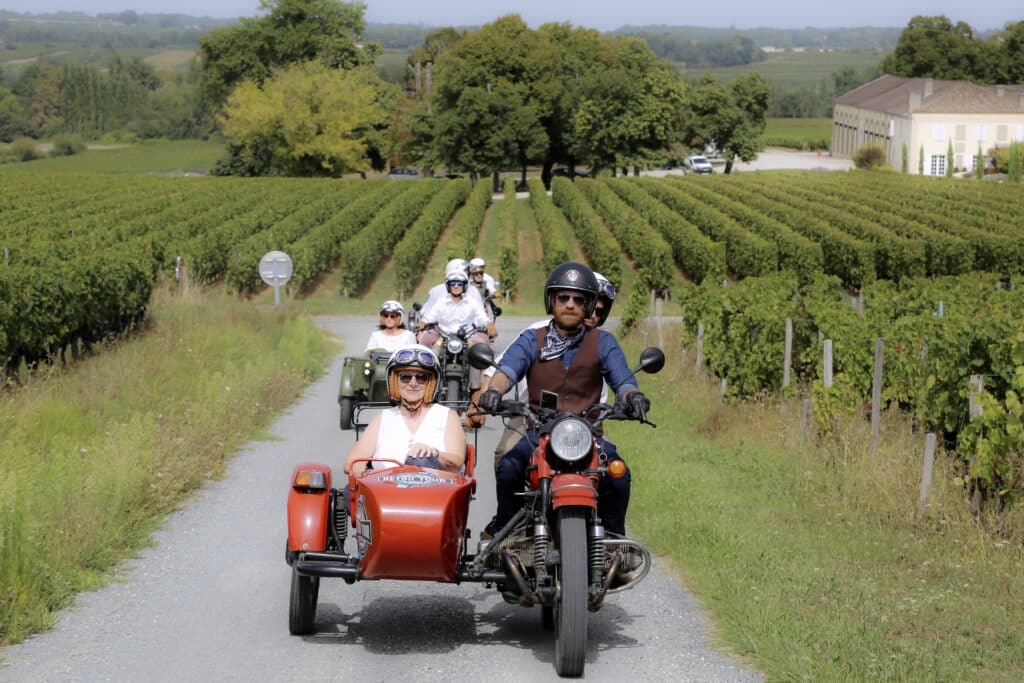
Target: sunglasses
577,299
406,356
406,377
456,283
391,315
477,272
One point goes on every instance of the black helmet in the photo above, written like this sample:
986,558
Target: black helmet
574,276
606,293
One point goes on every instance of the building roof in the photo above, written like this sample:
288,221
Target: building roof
903,96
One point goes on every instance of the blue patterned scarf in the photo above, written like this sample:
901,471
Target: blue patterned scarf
555,344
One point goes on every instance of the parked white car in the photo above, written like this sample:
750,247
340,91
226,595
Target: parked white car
698,164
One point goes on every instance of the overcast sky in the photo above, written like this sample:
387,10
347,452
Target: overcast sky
600,14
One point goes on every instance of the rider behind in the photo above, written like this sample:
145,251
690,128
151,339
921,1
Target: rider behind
488,288
391,334
438,293
415,431
453,312
570,358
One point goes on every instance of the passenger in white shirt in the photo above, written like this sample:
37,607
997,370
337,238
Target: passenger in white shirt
452,313
392,333
438,293
416,431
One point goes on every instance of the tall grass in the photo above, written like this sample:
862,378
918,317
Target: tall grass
94,455
811,554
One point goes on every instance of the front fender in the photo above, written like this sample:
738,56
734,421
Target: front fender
308,510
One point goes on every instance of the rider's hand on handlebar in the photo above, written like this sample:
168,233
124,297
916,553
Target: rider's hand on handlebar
489,400
638,405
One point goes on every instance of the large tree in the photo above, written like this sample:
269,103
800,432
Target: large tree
291,31
309,119
1006,54
731,118
935,47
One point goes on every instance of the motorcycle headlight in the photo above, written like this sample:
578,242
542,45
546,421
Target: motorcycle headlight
454,345
367,368
571,439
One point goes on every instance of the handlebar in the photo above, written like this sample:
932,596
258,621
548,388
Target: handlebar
536,418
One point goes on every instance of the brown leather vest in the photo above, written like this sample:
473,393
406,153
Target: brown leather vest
578,387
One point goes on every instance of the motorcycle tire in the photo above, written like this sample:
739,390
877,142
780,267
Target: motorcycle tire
453,393
347,408
302,603
571,608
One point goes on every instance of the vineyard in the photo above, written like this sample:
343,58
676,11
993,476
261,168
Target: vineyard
741,254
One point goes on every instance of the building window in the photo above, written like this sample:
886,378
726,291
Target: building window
938,165
961,131
1002,133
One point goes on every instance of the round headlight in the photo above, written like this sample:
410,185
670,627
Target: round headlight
454,345
571,439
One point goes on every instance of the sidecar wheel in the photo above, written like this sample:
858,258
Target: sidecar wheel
571,610
346,413
302,605
453,391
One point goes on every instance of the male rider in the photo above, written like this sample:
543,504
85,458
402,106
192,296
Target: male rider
571,359
438,293
452,313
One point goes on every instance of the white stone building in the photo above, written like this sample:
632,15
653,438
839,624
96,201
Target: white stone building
928,116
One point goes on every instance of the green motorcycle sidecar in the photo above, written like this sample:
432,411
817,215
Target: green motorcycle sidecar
363,378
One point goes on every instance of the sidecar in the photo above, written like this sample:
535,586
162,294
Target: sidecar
407,522
363,379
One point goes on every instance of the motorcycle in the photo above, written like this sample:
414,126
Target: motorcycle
452,350
410,523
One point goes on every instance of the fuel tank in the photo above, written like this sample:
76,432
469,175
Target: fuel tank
410,522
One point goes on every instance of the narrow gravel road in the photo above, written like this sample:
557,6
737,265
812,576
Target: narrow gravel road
209,601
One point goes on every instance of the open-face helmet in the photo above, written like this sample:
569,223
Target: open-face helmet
571,276
392,306
476,264
456,276
407,358
456,264
606,294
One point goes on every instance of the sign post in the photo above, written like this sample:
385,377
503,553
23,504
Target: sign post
276,270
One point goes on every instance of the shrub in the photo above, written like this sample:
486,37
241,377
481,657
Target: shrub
869,157
24,149
67,145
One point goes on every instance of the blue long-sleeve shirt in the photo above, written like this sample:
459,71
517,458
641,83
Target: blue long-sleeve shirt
523,352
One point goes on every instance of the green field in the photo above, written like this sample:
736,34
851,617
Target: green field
191,157
802,134
792,70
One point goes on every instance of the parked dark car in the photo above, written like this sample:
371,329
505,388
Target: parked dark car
404,173
565,173
449,176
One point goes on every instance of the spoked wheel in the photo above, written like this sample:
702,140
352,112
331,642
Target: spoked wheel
302,605
346,413
570,611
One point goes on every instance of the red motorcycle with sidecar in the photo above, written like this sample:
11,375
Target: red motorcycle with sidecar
410,523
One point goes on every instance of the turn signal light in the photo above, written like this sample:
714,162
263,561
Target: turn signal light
310,479
616,468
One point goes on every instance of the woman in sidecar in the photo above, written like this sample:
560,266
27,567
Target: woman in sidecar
416,431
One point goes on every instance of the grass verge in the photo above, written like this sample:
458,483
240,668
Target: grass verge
95,455
811,555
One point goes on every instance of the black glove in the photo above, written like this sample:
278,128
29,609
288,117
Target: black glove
489,400
638,404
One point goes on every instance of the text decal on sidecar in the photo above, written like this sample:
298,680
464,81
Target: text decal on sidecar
410,480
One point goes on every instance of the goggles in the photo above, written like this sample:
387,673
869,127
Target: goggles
607,291
424,358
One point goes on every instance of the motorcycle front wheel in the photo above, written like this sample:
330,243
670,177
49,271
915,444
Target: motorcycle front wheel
452,391
571,608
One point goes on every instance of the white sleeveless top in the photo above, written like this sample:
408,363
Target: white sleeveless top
394,438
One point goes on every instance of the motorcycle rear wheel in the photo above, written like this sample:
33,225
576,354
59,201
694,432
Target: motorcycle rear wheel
302,603
571,609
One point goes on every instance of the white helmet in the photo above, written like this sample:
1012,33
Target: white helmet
392,306
477,263
456,264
